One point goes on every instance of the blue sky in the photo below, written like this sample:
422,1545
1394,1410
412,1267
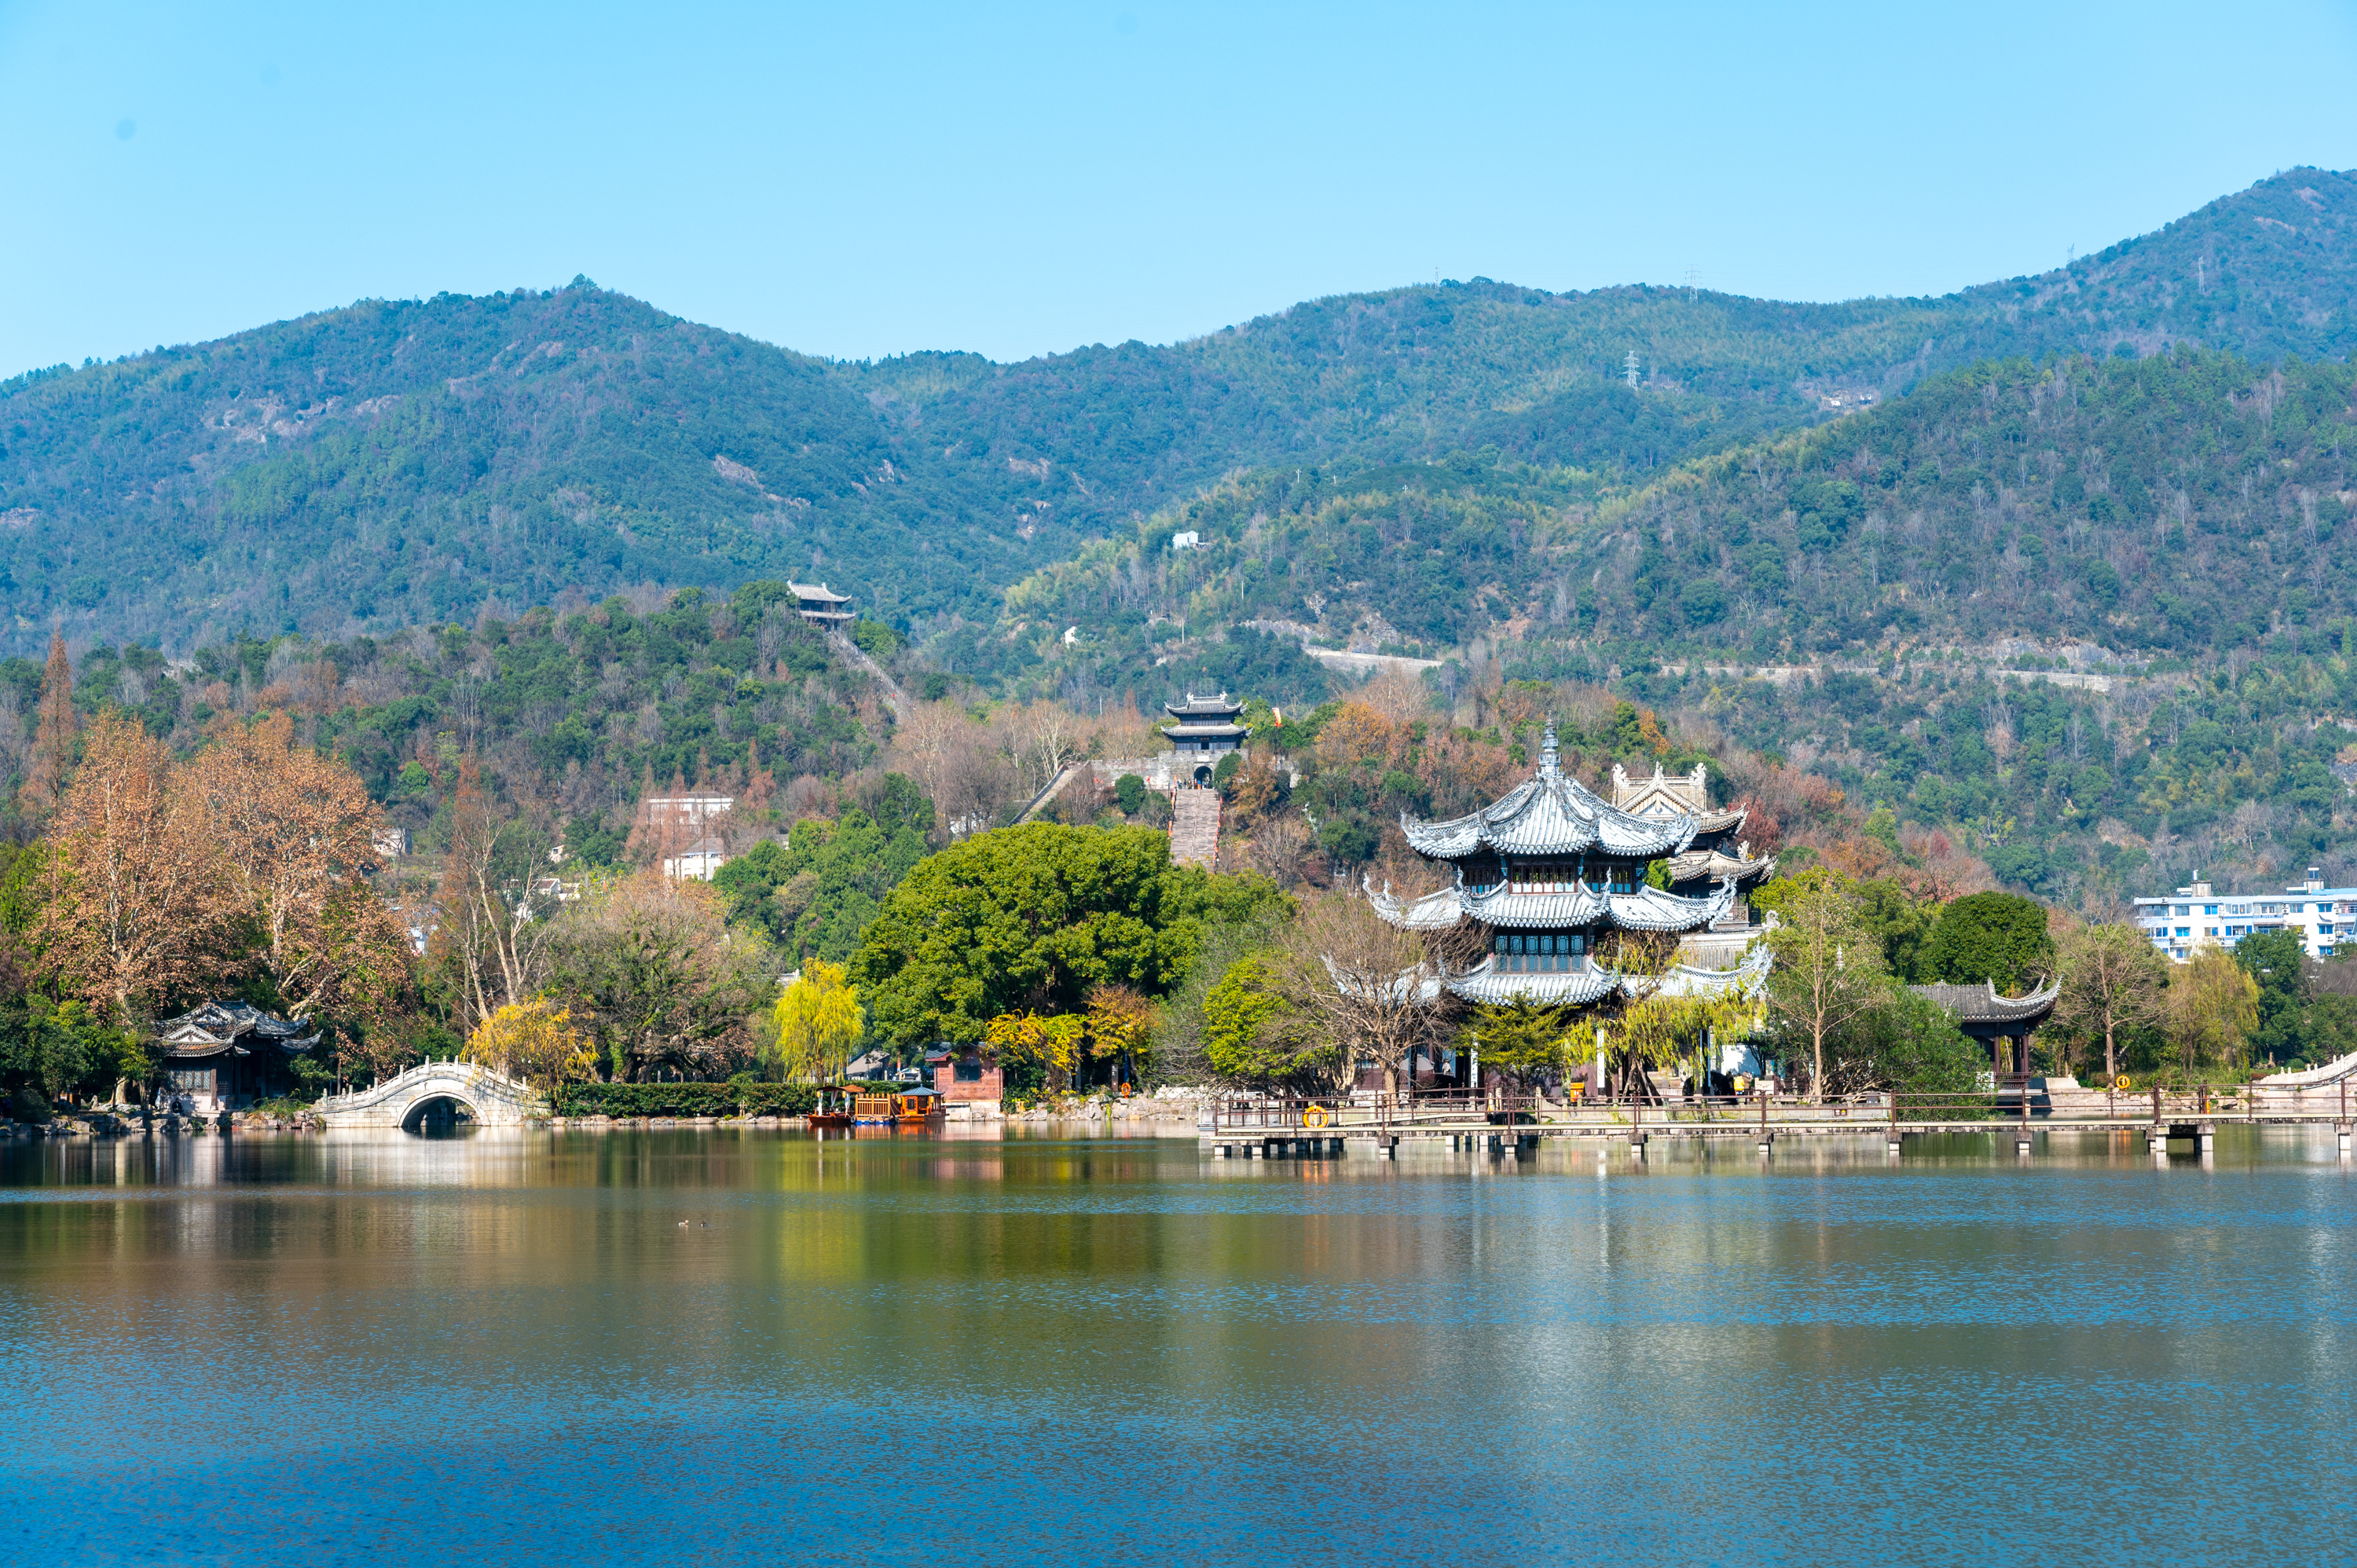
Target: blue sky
861,180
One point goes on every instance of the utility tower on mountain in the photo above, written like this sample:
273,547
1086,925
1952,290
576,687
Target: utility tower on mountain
1629,370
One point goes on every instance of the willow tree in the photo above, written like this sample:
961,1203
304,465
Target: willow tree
533,1040
818,1021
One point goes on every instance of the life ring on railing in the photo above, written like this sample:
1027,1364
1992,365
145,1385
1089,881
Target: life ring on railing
2122,1082
1315,1116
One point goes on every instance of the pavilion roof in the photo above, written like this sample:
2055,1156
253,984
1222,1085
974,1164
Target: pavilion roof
1552,814
1982,1005
1196,707
216,1028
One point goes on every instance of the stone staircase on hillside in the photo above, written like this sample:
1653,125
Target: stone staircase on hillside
1195,828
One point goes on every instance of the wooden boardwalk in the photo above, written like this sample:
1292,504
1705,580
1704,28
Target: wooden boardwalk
1296,1130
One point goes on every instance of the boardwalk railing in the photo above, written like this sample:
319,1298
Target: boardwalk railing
2028,1106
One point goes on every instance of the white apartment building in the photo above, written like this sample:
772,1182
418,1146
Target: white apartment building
2195,916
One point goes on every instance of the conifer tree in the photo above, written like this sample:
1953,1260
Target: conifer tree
54,733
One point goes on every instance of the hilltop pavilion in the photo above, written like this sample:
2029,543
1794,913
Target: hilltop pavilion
1204,728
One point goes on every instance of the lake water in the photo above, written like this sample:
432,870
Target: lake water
753,1346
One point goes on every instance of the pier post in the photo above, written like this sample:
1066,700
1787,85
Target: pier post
2209,1139
2342,1131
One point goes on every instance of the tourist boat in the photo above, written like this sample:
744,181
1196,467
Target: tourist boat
916,1108
825,1116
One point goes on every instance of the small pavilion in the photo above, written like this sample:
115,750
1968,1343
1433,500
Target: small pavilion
2003,1023
225,1055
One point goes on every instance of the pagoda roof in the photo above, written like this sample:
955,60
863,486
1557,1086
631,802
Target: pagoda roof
1646,909
1552,814
1196,707
1579,988
819,592
1718,865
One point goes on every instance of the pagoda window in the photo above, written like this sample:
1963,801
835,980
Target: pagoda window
1539,952
1611,875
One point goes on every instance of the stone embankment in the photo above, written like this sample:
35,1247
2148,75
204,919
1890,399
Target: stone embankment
1175,1109
120,1122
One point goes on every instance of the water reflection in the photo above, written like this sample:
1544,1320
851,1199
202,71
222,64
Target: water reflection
612,1343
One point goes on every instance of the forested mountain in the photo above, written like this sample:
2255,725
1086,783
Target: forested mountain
401,462
2163,545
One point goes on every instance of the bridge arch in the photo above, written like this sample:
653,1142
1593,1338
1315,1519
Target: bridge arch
421,1110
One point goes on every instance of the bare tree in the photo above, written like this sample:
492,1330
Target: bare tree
1369,988
486,933
2113,981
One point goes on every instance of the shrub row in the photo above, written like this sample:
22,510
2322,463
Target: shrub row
740,1098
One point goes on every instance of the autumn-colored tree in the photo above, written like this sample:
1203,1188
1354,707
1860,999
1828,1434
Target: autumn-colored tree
1121,1020
2113,981
818,1021
1359,734
1051,1040
532,1040
297,832
53,733
143,905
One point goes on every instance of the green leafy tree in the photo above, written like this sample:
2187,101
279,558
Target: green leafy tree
813,893
48,1047
1828,974
2278,963
1026,919
1997,937
1912,1046
1520,1036
1250,1036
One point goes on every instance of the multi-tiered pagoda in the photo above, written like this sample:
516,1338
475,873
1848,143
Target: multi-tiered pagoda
1547,872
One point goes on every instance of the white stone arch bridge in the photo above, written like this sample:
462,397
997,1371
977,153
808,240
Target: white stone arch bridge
492,1099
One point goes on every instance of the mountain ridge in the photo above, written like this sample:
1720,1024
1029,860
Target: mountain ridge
399,462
